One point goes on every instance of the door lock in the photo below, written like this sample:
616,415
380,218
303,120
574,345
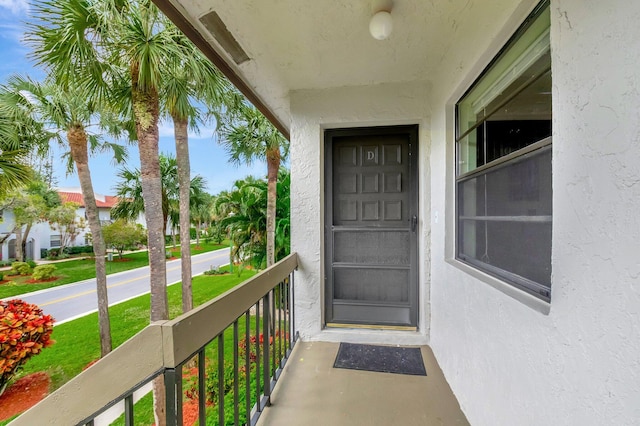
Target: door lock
414,223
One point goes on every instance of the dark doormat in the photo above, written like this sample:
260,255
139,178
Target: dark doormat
385,359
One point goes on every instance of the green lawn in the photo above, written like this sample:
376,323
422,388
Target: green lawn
84,269
77,342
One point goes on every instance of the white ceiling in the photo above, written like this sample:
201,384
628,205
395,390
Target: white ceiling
316,44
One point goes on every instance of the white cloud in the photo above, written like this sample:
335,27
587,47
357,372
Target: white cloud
14,33
15,6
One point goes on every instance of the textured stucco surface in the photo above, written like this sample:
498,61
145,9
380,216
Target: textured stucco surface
580,364
507,363
313,111
316,45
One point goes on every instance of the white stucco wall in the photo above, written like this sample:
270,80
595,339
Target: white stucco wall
313,111
507,363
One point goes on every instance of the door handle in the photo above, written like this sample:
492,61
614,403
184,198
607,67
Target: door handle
414,223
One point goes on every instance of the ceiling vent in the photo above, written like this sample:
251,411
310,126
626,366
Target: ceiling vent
227,41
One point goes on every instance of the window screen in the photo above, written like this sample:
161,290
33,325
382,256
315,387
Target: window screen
503,154
55,241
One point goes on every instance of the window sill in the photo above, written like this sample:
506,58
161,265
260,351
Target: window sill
519,295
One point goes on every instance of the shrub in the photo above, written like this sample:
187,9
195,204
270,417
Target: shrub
53,253
24,332
78,249
31,263
20,268
214,271
1,276
43,272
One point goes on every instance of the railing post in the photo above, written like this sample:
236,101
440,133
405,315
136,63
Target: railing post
266,361
258,358
170,381
202,389
221,378
236,390
247,367
292,308
128,411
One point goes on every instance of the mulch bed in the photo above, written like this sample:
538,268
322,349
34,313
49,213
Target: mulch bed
23,394
47,280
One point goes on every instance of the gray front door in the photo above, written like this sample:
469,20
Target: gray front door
371,221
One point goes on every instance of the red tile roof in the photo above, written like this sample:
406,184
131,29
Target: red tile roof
76,197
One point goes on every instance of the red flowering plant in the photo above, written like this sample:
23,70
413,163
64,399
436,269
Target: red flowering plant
252,344
24,331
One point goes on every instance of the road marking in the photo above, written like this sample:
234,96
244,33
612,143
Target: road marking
85,293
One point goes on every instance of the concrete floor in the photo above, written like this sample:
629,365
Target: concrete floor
312,392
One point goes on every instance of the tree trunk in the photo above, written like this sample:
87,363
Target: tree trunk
23,244
184,185
146,112
77,138
273,165
145,105
19,252
63,238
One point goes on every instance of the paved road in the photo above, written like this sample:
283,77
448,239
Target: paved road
71,301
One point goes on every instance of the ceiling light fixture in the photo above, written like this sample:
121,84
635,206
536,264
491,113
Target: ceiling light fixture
381,25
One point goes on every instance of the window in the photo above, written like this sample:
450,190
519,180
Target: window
503,155
55,241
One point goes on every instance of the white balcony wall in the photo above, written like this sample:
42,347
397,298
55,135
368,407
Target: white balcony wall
507,363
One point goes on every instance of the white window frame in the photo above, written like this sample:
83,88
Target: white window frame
51,240
539,302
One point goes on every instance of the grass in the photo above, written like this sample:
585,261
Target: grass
84,269
78,344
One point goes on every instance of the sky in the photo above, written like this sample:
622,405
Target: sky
208,158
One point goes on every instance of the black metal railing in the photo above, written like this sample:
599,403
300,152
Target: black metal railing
232,377
220,360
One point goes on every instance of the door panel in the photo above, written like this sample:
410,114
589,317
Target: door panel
371,193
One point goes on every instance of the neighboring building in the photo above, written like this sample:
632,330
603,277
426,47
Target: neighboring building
39,238
471,183
103,202
42,236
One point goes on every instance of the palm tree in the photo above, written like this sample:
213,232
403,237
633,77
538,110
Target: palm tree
191,79
21,138
283,215
243,213
130,192
68,115
119,49
248,135
201,213
14,170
